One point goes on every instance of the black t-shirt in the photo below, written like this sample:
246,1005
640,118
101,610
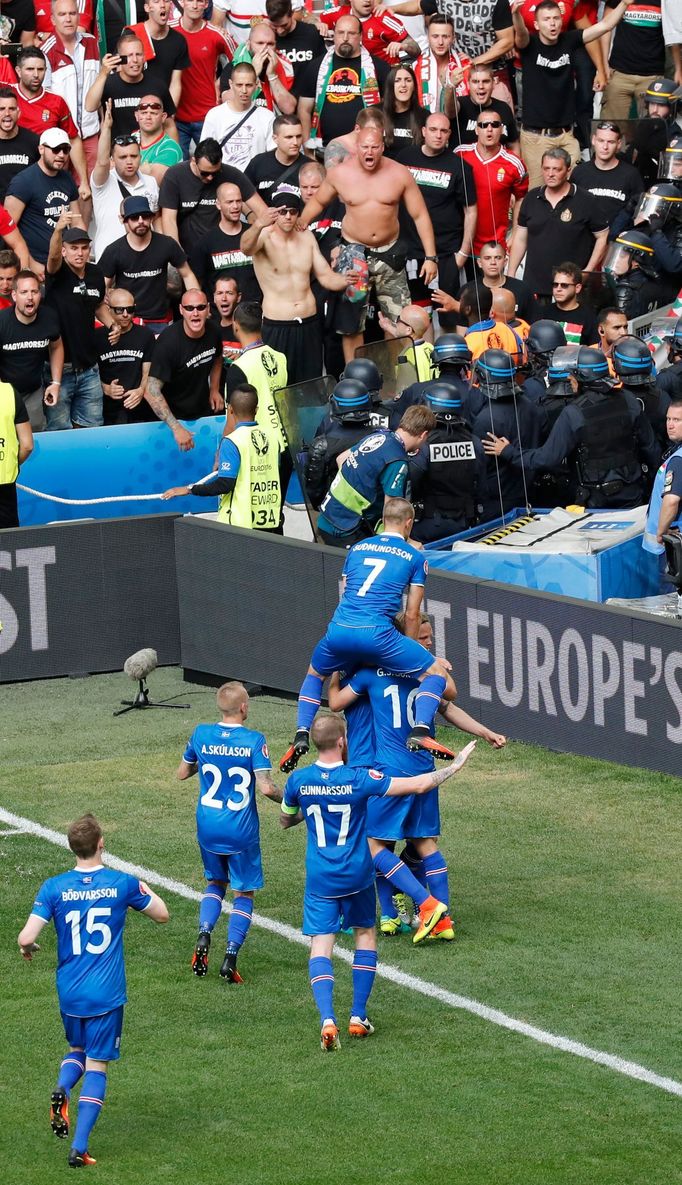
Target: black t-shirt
75,301
16,154
555,234
125,97
402,131
525,302
581,321
194,199
18,16
265,171
444,181
464,123
171,54
343,98
611,188
301,46
183,364
218,255
24,348
144,273
124,361
44,199
638,46
548,86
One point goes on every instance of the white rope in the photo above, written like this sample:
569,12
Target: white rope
90,501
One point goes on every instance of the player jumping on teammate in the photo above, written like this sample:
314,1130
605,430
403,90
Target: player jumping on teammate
362,634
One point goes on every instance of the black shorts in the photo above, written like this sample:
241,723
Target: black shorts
300,341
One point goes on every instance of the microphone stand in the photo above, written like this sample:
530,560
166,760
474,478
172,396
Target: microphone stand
142,700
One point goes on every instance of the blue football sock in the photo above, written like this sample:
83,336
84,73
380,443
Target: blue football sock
89,1106
436,870
385,893
309,699
210,907
71,1069
428,698
364,971
322,983
391,866
240,920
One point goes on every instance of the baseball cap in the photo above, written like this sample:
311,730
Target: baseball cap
287,196
75,234
136,205
54,138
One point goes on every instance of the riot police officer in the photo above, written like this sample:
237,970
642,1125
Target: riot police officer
507,412
664,507
556,488
363,370
660,212
449,470
450,360
631,271
543,339
605,435
347,424
634,366
670,379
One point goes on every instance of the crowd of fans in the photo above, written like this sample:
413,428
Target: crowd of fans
147,149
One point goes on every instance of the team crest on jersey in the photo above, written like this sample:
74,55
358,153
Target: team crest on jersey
144,889
500,175
264,751
324,776
371,444
87,880
374,773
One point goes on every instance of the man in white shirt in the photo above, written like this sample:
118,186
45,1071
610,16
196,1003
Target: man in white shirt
241,128
116,176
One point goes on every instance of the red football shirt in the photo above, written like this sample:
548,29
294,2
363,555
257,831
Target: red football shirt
497,180
44,111
204,46
377,31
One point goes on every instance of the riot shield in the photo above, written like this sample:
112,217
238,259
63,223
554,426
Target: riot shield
302,408
657,335
396,362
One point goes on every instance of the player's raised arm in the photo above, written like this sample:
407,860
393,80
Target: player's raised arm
340,698
466,723
422,783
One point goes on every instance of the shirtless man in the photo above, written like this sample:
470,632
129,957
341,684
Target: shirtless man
372,187
343,146
284,259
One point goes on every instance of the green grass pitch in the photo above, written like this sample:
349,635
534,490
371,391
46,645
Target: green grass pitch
566,886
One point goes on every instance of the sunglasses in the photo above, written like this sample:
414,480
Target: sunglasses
150,107
208,174
562,284
605,126
124,141
490,123
137,217
61,148
123,308
193,308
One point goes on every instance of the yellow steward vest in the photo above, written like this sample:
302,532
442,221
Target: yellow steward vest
9,442
266,370
256,500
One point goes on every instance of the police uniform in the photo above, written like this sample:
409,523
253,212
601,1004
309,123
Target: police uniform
636,294
606,437
416,394
669,381
519,420
376,468
654,405
668,480
447,476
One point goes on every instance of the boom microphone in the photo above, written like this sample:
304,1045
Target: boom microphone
141,664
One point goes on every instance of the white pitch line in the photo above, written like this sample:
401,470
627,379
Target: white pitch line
386,971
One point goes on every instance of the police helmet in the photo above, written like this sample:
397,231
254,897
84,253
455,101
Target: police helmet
443,398
350,402
450,348
661,200
544,337
665,91
632,361
592,367
364,371
629,245
496,372
563,363
674,336
670,162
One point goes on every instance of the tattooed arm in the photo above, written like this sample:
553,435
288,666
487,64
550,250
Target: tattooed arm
154,396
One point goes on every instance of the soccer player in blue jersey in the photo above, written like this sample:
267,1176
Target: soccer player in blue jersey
331,798
88,906
417,820
362,633
231,761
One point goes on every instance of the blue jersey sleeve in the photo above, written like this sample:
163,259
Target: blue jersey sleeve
394,479
360,681
420,569
138,894
43,905
261,756
190,754
229,459
290,803
371,783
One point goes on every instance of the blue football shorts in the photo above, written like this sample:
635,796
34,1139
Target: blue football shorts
328,915
386,816
242,871
99,1036
423,818
370,646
